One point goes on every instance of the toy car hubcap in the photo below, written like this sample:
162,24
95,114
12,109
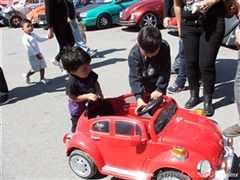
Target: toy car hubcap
80,166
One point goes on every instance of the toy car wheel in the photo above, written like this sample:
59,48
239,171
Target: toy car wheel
82,164
171,175
15,21
148,19
152,105
104,21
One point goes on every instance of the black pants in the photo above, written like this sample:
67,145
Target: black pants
63,33
74,120
3,83
202,40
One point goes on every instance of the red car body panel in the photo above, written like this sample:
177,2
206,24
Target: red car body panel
139,9
148,145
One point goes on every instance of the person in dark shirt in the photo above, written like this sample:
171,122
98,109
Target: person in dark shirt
82,83
57,13
149,65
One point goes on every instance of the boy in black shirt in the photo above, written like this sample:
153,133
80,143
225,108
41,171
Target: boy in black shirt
150,65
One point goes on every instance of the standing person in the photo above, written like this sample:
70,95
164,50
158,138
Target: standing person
181,79
57,20
149,65
3,88
82,83
234,130
30,41
202,34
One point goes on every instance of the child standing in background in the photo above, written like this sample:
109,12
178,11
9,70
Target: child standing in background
30,41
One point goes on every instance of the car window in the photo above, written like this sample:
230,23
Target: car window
128,128
101,126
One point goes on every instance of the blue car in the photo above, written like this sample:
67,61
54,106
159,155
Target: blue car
103,13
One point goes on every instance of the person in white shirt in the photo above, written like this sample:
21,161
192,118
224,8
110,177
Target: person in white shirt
37,62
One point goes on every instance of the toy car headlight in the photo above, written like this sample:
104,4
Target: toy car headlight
204,168
121,14
132,16
83,15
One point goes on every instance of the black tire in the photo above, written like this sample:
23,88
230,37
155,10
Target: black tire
171,175
15,21
104,21
82,164
148,19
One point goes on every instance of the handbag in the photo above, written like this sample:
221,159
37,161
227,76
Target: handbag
231,8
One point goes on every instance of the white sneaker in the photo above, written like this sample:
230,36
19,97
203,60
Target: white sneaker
26,79
92,52
44,81
56,63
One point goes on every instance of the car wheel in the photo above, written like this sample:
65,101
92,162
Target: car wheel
104,21
171,175
15,21
148,19
82,164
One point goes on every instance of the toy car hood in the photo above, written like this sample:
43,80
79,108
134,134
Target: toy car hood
195,133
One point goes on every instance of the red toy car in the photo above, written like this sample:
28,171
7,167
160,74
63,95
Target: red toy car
142,13
171,143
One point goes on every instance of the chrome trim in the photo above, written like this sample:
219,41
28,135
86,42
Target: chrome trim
179,119
126,173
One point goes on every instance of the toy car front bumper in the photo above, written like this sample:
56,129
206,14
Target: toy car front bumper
126,23
228,158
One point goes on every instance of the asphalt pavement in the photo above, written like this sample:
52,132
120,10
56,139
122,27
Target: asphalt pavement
35,120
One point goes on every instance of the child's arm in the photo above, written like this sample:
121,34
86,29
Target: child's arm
98,90
28,46
84,97
40,39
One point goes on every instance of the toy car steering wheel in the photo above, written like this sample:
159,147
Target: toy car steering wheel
150,106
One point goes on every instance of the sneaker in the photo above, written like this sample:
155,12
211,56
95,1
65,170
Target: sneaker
232,131
56,63
201,85
175,89
174,71
92,52
44,81
26,79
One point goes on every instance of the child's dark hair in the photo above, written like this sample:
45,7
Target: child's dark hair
24,21
73,57
149,39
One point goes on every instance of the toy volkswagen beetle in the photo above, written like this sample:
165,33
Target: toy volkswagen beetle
171,143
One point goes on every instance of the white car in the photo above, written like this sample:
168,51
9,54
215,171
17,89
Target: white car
13,14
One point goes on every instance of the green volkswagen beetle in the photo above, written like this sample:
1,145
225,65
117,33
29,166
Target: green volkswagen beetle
103,13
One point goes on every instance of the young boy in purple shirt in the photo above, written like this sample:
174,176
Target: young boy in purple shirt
82,83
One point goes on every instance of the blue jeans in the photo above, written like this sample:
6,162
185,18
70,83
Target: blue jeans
79,40
182,72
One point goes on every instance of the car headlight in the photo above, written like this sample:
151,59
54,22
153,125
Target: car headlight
204,168
180,153
121,14
83,15
132,16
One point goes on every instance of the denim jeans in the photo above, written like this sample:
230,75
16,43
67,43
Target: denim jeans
237,85
79,40
182,74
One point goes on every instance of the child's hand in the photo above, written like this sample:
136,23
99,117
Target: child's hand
39,56
100,95
140,104
93,97
155,94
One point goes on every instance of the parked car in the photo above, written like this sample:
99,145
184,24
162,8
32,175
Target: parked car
33,15
4,3
41,16
142,13
103,13
163,141
15,13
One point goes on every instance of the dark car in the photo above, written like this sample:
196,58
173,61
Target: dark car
142,13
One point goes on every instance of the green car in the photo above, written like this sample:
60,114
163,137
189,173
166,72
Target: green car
103,13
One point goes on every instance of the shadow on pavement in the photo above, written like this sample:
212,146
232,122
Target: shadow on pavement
35,89
107,62
101,54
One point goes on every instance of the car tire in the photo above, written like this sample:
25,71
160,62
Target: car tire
104,21
148,19
15,21
171,175
82,164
